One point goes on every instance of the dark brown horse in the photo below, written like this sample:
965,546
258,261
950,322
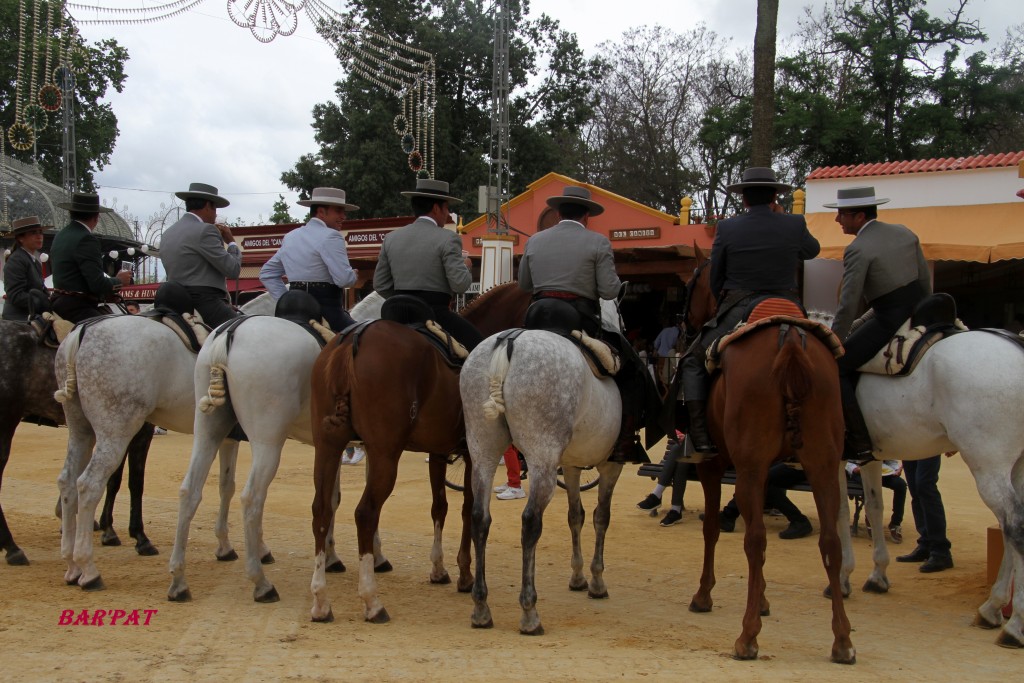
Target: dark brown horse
395,393
27,383
773,399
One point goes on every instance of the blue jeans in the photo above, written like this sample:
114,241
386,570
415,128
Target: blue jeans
926,504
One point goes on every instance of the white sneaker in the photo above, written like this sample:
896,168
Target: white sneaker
358,453
159,431
346,457
512,494
501,489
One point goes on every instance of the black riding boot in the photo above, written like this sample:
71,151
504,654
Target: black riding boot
628,448
699,427
857,445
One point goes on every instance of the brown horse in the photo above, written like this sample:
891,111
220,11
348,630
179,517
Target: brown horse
396,393
774,399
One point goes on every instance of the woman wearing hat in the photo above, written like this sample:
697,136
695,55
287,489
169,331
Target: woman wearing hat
756,253
79,283
314,258
23,273
426,261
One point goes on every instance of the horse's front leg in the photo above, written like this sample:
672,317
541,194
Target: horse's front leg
326,463
138,453
602,518
465,557
750,483
845,537
577,515
15,555
266,457
381,474
543,477
871,476
108,535
438,513
228,460
711,482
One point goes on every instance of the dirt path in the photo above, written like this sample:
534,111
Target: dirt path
920,631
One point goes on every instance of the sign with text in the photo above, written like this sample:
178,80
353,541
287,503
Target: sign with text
634,234
479,241
262,242
357,239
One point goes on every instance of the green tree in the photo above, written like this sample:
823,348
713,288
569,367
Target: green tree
279,214
95,123
359,151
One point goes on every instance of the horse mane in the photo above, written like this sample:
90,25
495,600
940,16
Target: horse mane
492,292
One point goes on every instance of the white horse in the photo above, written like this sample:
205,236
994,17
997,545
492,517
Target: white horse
965,395
117,374
265,352
546,400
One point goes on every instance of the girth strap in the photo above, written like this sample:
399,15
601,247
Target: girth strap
784,329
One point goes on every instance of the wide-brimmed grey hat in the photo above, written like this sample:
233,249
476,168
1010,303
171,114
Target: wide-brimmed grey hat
327,196
25,224
759,176
83,202
203,191
855,198
435,189
580,196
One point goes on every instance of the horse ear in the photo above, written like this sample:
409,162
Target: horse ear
698,254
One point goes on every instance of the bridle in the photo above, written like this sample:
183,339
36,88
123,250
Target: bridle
690,334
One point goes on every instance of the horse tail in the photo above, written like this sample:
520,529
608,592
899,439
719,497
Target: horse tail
494,406
341,417
217,392
792,374
71,345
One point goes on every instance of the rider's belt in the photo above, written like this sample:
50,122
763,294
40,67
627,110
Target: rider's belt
78,295
432,298
328,286
590,304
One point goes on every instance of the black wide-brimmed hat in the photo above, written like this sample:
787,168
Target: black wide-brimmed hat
759,176
580,196
23,225
855,198
434,189
83,202
203,191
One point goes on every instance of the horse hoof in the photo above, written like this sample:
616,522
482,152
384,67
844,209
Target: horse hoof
579,586
597,596
267,559
487,624
111,540
270,596
146,549
876,587
766,612
381,617
383,568
325,619
440,581
466,588
745,655
1009,641
335,568
95,525
183,596
230,556
698,608
846,658
536,631
981,622
17,558
93,585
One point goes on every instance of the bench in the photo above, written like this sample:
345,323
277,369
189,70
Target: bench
853,488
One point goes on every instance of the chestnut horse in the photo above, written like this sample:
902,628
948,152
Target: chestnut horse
395,393
773,399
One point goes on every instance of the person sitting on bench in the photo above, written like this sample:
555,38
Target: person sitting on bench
780,477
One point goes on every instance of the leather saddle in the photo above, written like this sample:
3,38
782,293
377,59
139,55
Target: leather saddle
933,320
562,318
173,307
417,315
302,308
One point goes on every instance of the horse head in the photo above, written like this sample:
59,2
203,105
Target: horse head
701,304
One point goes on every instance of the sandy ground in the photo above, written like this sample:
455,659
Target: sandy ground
920,631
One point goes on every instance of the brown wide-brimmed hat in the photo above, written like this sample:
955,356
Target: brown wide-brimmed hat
203,191
759,176
327,196
23,225
856,198
576,195
83,202
434,189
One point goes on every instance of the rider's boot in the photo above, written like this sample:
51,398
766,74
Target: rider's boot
857,444
699,427
627,448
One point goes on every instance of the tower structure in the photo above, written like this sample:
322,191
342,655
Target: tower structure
498,191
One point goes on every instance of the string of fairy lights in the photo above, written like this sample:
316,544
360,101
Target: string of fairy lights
48,43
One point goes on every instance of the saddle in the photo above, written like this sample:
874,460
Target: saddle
766,312
301,308
415,314
50,328
933,320
561,318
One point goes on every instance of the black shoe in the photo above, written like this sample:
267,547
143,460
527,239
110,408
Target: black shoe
918,554
671,517
726,523
797,529
651,502
936,563
630,451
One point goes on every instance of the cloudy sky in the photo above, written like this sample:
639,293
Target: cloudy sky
205,101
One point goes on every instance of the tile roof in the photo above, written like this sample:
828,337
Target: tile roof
919,166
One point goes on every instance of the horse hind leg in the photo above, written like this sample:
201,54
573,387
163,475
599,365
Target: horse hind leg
602,518
871,476
265,460
228,453
333,563
15,556
576,517
541,491
438,513
326,466
1012,635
